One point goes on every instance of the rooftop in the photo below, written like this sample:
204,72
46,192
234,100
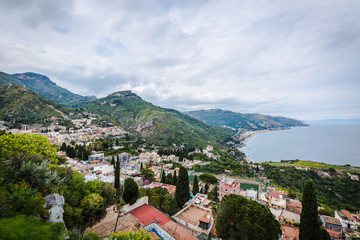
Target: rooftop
290,232
147,214
347,214
193,214
331,220
177,231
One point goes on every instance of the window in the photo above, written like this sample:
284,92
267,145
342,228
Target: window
225,189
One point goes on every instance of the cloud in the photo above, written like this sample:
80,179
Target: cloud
297,59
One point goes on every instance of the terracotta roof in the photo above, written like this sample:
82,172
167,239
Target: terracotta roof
333,233
178,232
347,214
147,214
289,232
206,218
274,194
331,220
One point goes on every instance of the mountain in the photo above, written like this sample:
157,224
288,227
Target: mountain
45,87
157,125
19,104
231,119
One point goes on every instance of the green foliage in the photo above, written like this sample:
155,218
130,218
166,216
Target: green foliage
91,236
148,174
310,227
182,193
164,126
91,202
161,198
208,178
24,228
163,177
332,192
326,212
195,186
18,104
138,235
117,174
20,146
243,219
131,191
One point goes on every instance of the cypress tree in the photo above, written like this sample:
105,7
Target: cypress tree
310,226
163,176
196,186
169,179
175,177
112,161
117,174
141,166
182,193
131,191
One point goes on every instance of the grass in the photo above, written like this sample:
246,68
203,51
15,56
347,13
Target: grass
312,164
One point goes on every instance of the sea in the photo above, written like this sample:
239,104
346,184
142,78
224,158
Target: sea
334,142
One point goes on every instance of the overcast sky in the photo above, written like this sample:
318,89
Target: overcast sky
297,59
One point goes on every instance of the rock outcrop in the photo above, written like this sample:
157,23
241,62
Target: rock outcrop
56,204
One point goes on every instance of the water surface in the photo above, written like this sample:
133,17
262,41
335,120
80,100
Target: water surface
334,142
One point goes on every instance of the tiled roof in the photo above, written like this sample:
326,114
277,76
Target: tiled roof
347,214
331,220
147,214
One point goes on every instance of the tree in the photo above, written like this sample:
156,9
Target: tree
138,235
310,226
131,191
169,179
182,193
148,174
206,188
20,146
141,167
195,186
163,176
112,161
23,228
175,178
243,219
208,178
117,174
91,202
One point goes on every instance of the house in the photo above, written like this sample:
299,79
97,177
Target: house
293,205
228,186
346,219
196,218
289,218
96,156
330,222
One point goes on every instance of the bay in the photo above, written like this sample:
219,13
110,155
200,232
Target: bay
331,142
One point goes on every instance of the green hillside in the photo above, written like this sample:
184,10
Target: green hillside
45,87
220,117
19,104
157,125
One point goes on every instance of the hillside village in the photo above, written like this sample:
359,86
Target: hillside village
195,220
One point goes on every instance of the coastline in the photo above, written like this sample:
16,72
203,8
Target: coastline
245,137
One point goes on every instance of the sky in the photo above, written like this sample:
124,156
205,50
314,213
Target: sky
298,59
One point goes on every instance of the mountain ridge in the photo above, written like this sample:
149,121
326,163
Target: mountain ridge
45,87
251,121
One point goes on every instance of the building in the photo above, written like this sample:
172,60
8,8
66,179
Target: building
228,186
289,232
97,156
346,219
196,218
330,222
289,218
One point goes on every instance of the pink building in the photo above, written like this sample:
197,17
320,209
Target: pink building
228,186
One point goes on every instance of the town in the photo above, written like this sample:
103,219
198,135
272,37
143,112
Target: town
150,169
